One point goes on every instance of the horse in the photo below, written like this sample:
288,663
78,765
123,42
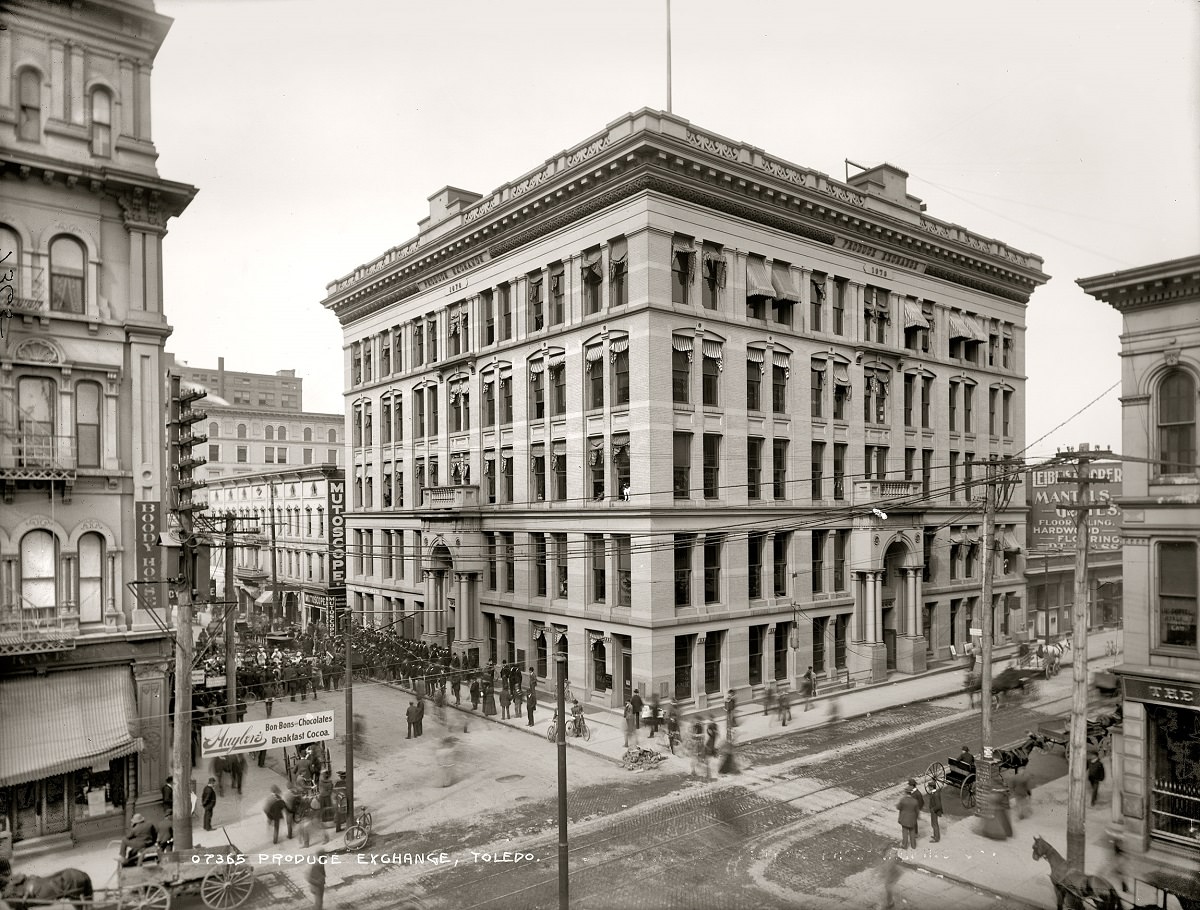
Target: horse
30,892
1017,758
1070,882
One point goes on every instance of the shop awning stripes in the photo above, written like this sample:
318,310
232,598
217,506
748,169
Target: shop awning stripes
64,721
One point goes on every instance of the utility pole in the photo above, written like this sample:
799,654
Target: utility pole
560,661
274,562
231,698
1077,753
181,439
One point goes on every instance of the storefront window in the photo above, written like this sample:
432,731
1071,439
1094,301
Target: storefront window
600,667
1175,765
100,790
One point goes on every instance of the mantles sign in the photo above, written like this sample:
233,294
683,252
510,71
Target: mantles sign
337,532
269,733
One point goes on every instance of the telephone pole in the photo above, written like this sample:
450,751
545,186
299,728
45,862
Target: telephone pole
1077,753
231,699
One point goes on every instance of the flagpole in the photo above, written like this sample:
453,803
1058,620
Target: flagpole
668,56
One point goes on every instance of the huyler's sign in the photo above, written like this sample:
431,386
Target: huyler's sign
269,733
1051,526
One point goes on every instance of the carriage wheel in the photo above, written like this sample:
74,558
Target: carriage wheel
552,732
996,701
936,773
145,897
967,792
586,732
356,837
227,887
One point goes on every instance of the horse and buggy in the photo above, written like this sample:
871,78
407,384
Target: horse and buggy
1076,890
222,876
960,775
1010,684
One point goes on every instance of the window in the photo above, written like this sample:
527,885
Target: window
558,293
243,454
506,475
712,466
432,337
539,564
875,457
418,345
30,117
506,403
712,567
841,391
839,470
332,437
681,373
758,635
1176,424
926,471
927,541
488,303
91,578
87,424
968,405
623,549
926,401
537,391
993,398
39,562
682,270
332,456
1006,347
754,372
993,343
683,570
101,123
779,560
754,451
755,544
460,407
711,378
841,545
214,453
953,476
818,470
269,432
910,464
682,465
385,420
618,272
367,346
418,399
818,561
779,451
714,276
620,372
489,549
599,574
67,260
504,293
592,275
759,287
281,456
385,354
875,395
457,321
910,391
1006,412
816,301
489,401
876,314
684,645
560,562
596,467
968,469
269,455
558,467
594,387
781,650
779,378
953,402
508,542
817,374
840,290
1177,594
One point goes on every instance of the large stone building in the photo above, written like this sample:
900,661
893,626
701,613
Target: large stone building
296,515
257,422
84,654
1156,761
712,416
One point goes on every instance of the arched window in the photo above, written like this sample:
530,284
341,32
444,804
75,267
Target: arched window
30,116
87,424
1177,423
282,434
214,430
36,421
270,433
10,267
67,258
308,434
39,559
91,578
241,431
333,436
101,123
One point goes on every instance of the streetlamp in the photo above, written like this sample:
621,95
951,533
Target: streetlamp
1002,478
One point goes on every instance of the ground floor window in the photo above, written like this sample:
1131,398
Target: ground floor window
600,678
53,805
928,613
510,639
683,666
758,635
783,632
1174,772
840,628
712,662
818,643
542,656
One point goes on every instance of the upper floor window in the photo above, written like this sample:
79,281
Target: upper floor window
101,123
592,273
759,287
214,429
333,436
37,420
270,433
917,322
875,395
534,303
714,276
618,353
618,272
1178,594
241,431
39,576
876,314
787,293
67,258
87,424
1176,423
816,301
711,374
308,437
29,124
683,269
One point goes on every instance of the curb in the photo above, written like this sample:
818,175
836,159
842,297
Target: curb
974,886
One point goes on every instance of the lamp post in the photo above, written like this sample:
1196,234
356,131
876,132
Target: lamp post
560,661
1001,480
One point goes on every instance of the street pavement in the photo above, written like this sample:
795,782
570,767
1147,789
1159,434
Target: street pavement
501,801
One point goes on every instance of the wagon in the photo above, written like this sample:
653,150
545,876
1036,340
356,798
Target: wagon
959,774
223,877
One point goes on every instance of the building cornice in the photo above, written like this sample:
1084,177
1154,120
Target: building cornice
649,151
274,415
323,471
1148,286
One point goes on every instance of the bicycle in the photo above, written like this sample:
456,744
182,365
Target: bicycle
358,833
577,727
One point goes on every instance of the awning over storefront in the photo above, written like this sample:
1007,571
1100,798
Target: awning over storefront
63,721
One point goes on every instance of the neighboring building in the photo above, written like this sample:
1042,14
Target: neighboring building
647,395
269,431
84,657
1050,563
304,508
1156,762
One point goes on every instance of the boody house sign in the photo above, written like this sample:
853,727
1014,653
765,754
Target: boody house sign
269,733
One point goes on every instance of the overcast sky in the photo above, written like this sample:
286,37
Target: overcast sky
315,133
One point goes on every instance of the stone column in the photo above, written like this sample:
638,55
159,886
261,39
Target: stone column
143,96
75,100
871,607
125,105
911,624
427,627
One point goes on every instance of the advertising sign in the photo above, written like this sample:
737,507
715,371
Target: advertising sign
268,733
148,553
1053,527
337,532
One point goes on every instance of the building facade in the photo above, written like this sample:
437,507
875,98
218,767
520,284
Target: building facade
1156,762
84,652
298,515
701,417
257,422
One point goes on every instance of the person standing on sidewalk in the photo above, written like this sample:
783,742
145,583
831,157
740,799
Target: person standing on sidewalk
635,700
474,694
316,880
630,725
935,810
730,711
889,874
654,714
274,809
208,802
768,699
1022,791
530,704
807,687
784,701
907,813
1095,775
410,716
505,700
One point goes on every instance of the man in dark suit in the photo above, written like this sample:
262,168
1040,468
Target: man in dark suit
168,796
908,811
410,715
530,705
141,835
208,802
935,810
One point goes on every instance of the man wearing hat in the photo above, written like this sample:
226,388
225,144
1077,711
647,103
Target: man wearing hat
208,801
141,835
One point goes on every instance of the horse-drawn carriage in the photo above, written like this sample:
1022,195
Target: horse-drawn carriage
1099,732
959,775
1007,685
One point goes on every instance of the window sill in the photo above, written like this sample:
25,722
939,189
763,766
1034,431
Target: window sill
1175,480
1175,651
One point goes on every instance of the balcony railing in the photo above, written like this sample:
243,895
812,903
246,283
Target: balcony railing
452,498
36,454
867,492
30,630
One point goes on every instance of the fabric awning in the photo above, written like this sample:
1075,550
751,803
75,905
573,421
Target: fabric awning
758,278
913,317
783,361
265,597
785,283
66,720
975,326
1008,542
841,374
959,327
682,344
